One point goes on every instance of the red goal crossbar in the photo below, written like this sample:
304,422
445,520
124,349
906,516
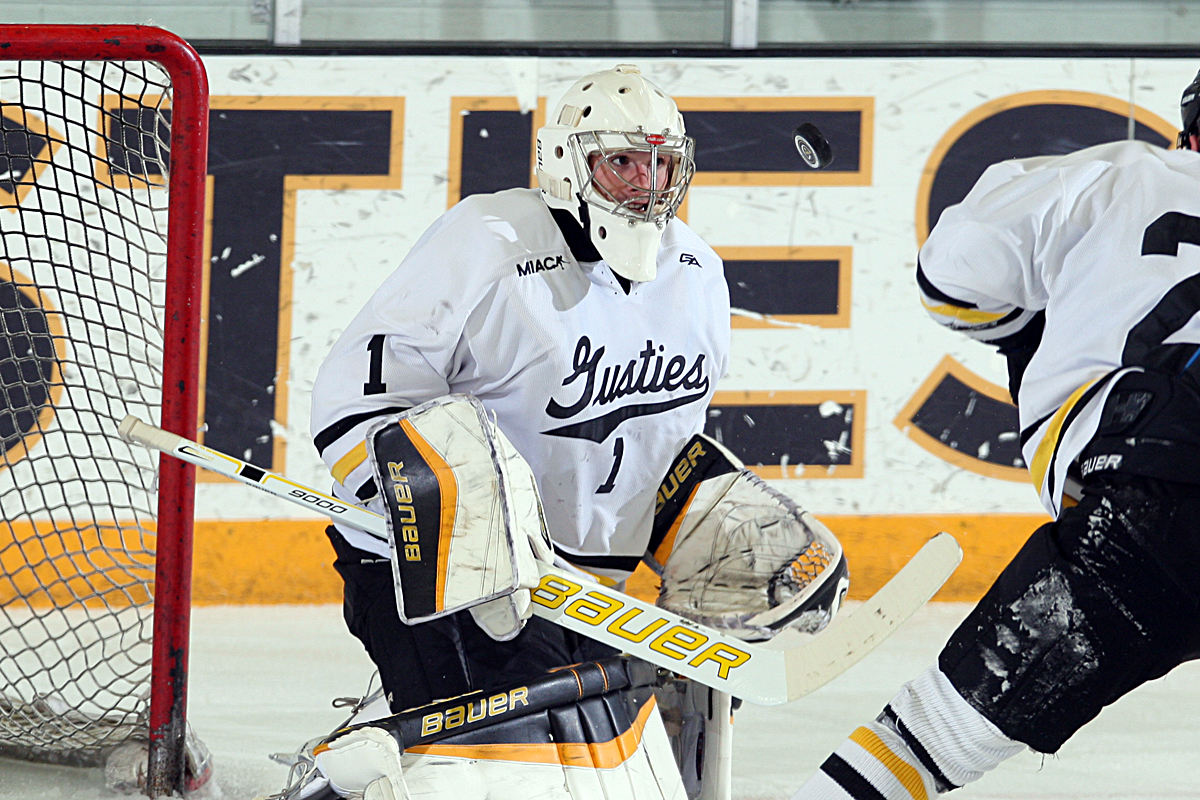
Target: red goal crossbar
181,346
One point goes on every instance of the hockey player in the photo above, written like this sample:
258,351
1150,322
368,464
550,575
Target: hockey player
1084,270
578,331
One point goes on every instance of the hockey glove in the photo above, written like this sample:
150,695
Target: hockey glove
465,520
736,554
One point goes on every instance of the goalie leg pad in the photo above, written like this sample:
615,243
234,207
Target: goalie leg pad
739,555
366,757
699,725
586,732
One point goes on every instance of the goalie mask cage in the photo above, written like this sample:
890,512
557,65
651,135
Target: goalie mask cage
102,177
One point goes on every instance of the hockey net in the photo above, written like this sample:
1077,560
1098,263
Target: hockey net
95,280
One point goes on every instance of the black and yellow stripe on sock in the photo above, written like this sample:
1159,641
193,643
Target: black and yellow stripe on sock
872,764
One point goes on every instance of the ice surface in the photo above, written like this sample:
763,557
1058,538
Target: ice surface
263,678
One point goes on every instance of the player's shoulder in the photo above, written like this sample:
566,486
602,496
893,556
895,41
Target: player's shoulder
489,236
507,222
1124,156
682,245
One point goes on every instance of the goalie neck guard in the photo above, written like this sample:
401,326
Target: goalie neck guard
615,156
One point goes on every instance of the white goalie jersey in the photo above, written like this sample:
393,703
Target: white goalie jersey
596,388
1105,242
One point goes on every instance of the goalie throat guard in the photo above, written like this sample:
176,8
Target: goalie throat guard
616,157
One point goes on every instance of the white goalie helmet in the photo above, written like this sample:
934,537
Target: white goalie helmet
594,160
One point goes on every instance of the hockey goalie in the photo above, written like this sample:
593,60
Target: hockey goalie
531,384
466,527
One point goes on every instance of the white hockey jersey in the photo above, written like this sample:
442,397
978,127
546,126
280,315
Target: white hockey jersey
1095,239
598,389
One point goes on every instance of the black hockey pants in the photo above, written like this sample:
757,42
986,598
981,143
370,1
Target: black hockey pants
1096,603
446,657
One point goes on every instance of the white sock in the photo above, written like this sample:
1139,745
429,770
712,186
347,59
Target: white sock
927,740
932,716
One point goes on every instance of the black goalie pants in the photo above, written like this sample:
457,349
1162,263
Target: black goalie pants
1096,603
446,657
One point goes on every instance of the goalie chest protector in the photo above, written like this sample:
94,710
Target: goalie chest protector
596,388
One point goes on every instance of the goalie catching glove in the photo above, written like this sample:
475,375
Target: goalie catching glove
737,555
464,518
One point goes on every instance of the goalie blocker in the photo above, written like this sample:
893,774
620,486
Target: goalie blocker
592,729
464,519
737,555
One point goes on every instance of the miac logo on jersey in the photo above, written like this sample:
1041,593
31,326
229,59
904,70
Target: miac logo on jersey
534,265
653,373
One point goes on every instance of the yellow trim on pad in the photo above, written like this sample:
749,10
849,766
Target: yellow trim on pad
1049,443
349,462
593,755
448,499
969,315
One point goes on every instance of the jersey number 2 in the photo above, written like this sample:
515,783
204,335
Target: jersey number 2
1144,344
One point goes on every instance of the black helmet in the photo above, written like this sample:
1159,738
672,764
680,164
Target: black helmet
1189,110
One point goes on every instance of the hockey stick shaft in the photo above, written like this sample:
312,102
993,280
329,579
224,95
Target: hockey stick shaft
752,672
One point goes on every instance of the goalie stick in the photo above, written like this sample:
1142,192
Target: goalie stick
754,672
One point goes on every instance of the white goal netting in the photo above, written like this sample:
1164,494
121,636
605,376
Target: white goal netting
83,212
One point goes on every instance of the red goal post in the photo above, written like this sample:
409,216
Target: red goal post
84,52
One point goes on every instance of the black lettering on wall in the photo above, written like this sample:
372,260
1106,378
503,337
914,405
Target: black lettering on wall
260,151
27,146
1043,123
250,153
781,287
130,149
30,359
771,287
955,414
966,420
489,137
745,141
491,145
761,141
792,434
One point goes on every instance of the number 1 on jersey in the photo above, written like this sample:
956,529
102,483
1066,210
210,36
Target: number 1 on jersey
618,453
375,384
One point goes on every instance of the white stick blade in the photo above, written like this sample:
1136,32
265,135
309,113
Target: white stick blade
848,638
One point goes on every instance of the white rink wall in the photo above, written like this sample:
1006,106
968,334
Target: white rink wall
347,241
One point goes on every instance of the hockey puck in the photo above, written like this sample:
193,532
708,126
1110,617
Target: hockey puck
812,146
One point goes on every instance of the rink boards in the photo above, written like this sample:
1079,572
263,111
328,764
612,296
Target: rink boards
325,170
